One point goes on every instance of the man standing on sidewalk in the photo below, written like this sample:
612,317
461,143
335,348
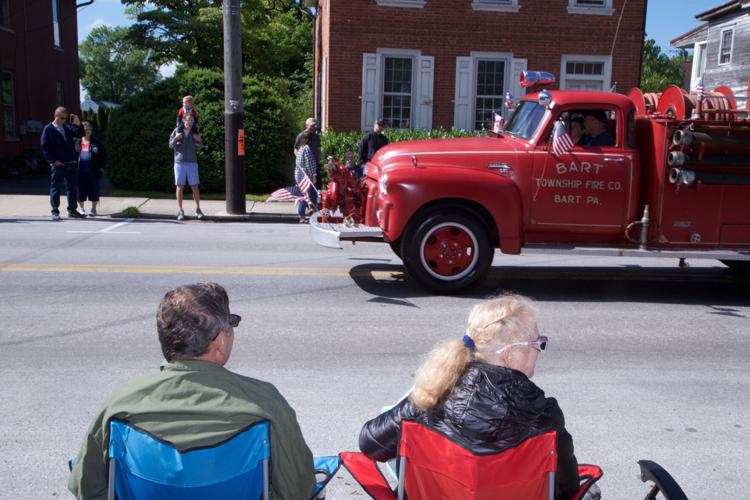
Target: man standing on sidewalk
58,148
313,140
186,168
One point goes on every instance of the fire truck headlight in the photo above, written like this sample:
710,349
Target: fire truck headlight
383,184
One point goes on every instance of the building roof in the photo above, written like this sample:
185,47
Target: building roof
687,40
723,10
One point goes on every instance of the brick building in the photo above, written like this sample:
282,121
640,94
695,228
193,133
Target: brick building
38,69
449,63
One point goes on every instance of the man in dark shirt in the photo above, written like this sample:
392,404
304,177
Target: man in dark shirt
371,142
314,143
595,125
58,148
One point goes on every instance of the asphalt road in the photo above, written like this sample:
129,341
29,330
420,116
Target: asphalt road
646,360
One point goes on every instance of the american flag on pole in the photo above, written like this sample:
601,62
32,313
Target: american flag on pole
700,90
285,194
561,141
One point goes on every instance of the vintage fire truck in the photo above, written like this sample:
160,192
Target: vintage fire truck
674,181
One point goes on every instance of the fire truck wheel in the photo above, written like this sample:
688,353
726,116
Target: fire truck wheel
396,247
740,266
446,251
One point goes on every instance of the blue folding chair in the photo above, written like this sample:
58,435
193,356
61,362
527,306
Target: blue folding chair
142,467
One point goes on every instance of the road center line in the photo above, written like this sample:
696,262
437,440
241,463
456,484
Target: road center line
235,271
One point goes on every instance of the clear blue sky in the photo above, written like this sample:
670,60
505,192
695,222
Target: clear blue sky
665,19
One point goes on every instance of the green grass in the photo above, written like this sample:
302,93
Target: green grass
161,195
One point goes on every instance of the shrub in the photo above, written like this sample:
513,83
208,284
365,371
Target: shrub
138,132
336,143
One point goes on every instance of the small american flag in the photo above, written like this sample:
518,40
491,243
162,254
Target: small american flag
700,90
499,123
561,141
285,194
305,184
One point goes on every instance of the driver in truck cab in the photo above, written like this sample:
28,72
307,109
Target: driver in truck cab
595,125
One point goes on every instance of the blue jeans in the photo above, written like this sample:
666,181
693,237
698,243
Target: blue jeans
67,172
313,195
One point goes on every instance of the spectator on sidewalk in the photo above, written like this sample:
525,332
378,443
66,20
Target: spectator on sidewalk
58,148
194,402
313,140
92,159
187,118
186,169
304,176
371,142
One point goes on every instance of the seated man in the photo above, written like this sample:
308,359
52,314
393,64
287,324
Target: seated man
595,125
193,401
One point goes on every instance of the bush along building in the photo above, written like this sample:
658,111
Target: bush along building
449,63
38,71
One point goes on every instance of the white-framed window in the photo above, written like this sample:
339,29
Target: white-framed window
397,87
490,77
56,22
725,47
595,7
482,81
583,72
5,14
414,4
496,5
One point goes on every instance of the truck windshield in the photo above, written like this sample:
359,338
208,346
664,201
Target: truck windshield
526,119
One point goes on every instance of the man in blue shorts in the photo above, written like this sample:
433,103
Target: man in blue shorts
186,169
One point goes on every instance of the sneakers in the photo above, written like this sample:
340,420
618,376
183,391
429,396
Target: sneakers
181,215
199,214
75,215
92,213
55,217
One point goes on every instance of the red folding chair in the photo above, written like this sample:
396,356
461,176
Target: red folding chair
433,467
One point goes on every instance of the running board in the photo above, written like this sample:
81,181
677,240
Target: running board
636,252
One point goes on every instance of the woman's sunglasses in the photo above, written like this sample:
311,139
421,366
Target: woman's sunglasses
540,344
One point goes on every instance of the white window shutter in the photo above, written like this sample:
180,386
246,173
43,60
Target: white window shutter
519,66
425,79
370,89
462,106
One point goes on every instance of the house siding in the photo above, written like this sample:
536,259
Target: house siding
734,74
27,50
541,32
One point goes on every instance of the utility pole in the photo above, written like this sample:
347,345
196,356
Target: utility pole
234,132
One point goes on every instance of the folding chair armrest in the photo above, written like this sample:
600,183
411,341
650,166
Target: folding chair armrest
327,467
663,481
366,472
588,474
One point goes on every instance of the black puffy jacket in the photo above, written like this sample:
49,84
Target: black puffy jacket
491,409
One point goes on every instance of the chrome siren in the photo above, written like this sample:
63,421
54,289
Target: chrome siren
531,78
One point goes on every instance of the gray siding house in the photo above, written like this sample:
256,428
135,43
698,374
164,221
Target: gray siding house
721,48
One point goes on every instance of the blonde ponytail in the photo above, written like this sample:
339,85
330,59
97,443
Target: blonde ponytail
439,373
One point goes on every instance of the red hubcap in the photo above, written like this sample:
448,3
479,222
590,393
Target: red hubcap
449,250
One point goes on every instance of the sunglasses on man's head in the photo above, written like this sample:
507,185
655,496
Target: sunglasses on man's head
540,344
234,320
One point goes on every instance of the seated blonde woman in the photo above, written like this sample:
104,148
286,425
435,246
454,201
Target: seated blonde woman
476,391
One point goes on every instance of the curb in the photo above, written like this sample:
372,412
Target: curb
260,217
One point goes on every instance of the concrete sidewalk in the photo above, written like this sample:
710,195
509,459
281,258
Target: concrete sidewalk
37,206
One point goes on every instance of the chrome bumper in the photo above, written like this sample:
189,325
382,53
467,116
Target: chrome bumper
331,235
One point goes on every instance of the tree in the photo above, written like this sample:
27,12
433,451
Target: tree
658,69
277,34
112,68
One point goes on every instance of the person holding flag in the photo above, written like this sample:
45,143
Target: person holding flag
303,193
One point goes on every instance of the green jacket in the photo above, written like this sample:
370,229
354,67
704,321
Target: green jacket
195,404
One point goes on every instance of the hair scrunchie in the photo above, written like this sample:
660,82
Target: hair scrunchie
469,343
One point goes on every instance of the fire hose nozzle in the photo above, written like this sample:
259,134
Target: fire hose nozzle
645,221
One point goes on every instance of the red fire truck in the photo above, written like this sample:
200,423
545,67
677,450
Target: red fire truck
671,179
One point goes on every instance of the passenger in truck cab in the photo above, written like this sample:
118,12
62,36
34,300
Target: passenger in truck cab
595,125
576,129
